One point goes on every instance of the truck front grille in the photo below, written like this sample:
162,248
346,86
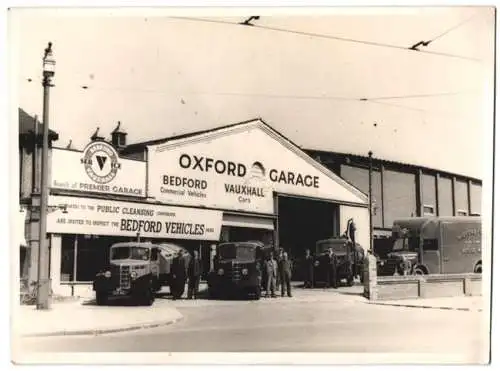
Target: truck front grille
235,272
125,277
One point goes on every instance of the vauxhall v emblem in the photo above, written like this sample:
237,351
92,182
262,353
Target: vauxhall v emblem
100,161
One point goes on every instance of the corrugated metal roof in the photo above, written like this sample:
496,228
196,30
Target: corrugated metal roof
377,161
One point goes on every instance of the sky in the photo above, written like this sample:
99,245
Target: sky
161,74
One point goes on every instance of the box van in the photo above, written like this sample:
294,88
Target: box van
434,245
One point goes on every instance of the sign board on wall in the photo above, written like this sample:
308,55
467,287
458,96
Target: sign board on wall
238,171
97,169
112,218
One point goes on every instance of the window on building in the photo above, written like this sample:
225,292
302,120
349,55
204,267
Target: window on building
461,213
428,210
430,244
67,258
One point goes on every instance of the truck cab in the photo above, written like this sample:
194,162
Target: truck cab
349,259
136,270
237,269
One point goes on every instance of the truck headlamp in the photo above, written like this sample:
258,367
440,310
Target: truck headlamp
316,263
107,274
244,271
133,274
220,272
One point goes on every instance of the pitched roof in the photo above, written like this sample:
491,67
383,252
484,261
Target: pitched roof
27,126
141,145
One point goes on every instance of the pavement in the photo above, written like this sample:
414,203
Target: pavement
84,317
463,303
120,316
320,321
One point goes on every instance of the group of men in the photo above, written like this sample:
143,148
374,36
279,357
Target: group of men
278,272
180,273
328,260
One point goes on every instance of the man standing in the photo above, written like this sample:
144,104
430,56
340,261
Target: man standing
285,269
194,273
308,270
278,260
332,268
178,276
271,274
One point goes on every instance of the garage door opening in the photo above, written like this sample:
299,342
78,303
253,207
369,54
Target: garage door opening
302,222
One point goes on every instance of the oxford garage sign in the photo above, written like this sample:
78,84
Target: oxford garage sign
239,170
97,169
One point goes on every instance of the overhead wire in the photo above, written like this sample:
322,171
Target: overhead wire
272,96
454,27
331,37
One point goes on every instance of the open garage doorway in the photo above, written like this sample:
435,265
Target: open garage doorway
302,222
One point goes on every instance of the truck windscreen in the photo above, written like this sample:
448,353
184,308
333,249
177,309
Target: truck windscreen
336,247
240,252
129,252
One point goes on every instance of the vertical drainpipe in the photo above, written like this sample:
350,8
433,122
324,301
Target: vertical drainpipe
276,213
437,194
469,203
382,209
370,206
420,193
453,195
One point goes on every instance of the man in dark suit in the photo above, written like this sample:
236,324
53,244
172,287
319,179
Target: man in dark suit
332,269
285,269
194,273
308,270
178,276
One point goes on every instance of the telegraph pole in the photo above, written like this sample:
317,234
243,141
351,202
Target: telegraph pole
44,284
370,199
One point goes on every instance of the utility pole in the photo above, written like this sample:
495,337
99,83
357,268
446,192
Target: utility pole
44,284
370,199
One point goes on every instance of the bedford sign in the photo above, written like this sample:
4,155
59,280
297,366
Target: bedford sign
97,169
111,218
239,171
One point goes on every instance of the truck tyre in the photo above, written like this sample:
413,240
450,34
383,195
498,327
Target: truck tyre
419,271
146,297
257,293
350,280
101,298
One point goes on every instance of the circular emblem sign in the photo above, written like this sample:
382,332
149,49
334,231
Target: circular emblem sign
100,160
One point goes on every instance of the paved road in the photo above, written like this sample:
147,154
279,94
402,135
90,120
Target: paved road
313,321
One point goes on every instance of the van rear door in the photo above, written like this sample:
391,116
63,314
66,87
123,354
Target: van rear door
461,245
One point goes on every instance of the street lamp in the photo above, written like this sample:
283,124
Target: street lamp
370,199
43,292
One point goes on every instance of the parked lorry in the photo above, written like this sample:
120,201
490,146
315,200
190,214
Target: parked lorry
349,259
434,245
238,269
137,270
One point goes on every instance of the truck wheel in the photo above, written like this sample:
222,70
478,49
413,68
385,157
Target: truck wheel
350,280
257,293
101,298
147,298
478,268
419,271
